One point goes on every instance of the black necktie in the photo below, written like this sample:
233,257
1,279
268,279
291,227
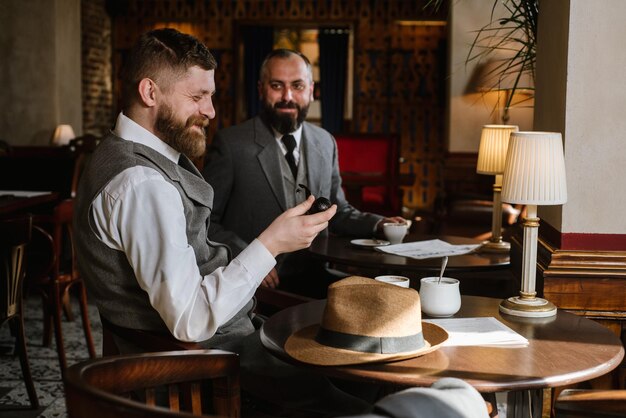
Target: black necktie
290,143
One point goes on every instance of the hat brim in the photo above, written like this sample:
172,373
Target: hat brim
301,345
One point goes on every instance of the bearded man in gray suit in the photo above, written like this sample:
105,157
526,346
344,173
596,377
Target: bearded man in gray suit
256,169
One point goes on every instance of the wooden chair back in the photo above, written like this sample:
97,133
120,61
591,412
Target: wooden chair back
15,235
82,147
579,403
166,384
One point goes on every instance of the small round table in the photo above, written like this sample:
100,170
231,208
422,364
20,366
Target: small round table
482,274
562,350
339,251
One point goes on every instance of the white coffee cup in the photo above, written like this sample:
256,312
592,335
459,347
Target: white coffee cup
395,232
396,280
440,299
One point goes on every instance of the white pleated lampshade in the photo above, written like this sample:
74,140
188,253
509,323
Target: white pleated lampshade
494,141
535,169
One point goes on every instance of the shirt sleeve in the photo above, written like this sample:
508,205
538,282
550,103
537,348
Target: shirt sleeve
142,215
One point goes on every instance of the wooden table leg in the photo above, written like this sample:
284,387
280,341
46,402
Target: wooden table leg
524,403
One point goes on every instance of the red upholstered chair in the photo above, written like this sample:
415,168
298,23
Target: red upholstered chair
369,165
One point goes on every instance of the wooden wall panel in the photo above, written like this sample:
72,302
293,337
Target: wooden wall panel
399,68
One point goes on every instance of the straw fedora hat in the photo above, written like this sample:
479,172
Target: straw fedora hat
366,321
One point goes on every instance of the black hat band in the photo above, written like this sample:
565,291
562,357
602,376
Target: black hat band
366,344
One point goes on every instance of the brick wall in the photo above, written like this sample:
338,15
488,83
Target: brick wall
97,95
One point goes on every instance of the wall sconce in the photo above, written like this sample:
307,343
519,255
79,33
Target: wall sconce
495,76
62,135
494,142
534,175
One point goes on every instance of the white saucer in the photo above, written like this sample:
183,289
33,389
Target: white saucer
369,242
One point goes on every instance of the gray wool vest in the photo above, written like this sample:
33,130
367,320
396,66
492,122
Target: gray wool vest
294,194
108,275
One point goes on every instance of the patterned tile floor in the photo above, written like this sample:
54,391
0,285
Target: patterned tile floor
43,362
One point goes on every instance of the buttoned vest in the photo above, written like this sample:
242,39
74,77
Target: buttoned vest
294,194
109,278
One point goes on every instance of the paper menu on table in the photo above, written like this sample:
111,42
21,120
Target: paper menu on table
482,331
428,249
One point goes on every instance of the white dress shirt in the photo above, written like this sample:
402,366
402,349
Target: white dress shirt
142,215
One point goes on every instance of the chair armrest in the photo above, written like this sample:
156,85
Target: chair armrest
586,403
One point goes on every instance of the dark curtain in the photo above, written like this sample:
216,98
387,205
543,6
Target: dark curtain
333,44
258,41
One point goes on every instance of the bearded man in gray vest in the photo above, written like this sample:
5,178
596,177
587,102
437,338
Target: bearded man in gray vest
266,158
143,213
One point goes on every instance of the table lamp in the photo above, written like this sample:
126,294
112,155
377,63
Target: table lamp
534,175
62,135
494,142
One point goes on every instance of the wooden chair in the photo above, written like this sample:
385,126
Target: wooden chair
129,386
579,403
55,281
14,237
82,147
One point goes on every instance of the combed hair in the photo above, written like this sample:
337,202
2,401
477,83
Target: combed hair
284,53
162,55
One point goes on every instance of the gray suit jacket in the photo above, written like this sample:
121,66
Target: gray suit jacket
241,166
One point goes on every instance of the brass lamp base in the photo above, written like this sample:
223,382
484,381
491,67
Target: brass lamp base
495,247
527,307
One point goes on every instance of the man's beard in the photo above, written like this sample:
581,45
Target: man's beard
182,136
282,122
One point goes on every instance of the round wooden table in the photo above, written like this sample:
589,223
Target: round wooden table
562,350
339,250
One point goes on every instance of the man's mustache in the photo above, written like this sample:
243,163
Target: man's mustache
200,121
286,105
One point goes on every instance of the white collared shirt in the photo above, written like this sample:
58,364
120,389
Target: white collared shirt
297,134
192,306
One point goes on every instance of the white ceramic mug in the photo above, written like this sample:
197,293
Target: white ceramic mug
440,299
396,280
395,232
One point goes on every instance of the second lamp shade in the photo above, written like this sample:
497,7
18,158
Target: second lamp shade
535,169
494,141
